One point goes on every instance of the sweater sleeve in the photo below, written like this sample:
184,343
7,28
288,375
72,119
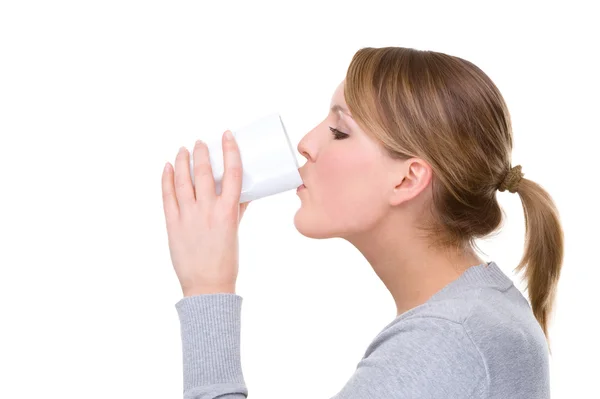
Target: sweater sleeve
418,357
210,338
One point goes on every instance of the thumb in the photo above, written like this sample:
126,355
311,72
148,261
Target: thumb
243,208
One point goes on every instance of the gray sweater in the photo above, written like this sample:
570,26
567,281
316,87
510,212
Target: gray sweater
475,338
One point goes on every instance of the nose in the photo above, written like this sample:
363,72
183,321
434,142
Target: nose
301,147
303,144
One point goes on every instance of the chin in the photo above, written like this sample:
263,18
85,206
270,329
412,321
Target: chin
311,228
315,227
338,225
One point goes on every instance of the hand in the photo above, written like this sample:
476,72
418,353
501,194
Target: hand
202,227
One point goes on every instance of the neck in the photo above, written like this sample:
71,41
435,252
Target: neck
409,267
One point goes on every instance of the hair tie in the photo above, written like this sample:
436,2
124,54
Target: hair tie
511,180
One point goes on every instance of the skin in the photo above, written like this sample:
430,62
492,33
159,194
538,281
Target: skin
355,191
202,227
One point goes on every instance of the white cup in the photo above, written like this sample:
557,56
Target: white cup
269,162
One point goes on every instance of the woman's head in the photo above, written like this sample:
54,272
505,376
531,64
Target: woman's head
347,176
429,143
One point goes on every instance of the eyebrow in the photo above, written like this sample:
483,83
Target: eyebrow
337,107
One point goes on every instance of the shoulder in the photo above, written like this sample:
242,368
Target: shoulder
427,356
463,342
492,319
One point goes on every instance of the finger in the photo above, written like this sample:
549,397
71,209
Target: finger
170,206
183,180
243,208
232,176
204,181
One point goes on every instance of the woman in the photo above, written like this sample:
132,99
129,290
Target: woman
405,167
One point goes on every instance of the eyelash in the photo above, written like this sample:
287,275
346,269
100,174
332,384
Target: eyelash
337,134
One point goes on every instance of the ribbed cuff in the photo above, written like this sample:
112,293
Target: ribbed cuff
210,336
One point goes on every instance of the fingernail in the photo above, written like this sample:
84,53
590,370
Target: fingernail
182,149
198,142
228,135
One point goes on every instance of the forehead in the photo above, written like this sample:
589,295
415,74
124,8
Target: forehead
338,94
338,103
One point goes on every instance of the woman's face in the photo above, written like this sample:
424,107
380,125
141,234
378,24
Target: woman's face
345,177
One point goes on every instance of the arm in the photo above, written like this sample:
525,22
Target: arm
418,357
210,336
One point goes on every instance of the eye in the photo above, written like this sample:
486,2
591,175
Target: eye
337,134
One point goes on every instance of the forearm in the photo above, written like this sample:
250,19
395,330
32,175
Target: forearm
210,333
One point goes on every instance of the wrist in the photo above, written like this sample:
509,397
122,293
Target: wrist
225,289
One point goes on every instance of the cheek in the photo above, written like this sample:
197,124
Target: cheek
350,191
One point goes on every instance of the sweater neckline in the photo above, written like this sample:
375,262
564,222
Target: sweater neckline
487,274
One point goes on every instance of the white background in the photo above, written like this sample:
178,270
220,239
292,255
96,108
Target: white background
96,96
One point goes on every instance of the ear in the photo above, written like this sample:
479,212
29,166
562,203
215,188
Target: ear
414,176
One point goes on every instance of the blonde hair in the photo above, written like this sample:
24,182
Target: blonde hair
446,111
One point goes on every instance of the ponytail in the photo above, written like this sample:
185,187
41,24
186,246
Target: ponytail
544,247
